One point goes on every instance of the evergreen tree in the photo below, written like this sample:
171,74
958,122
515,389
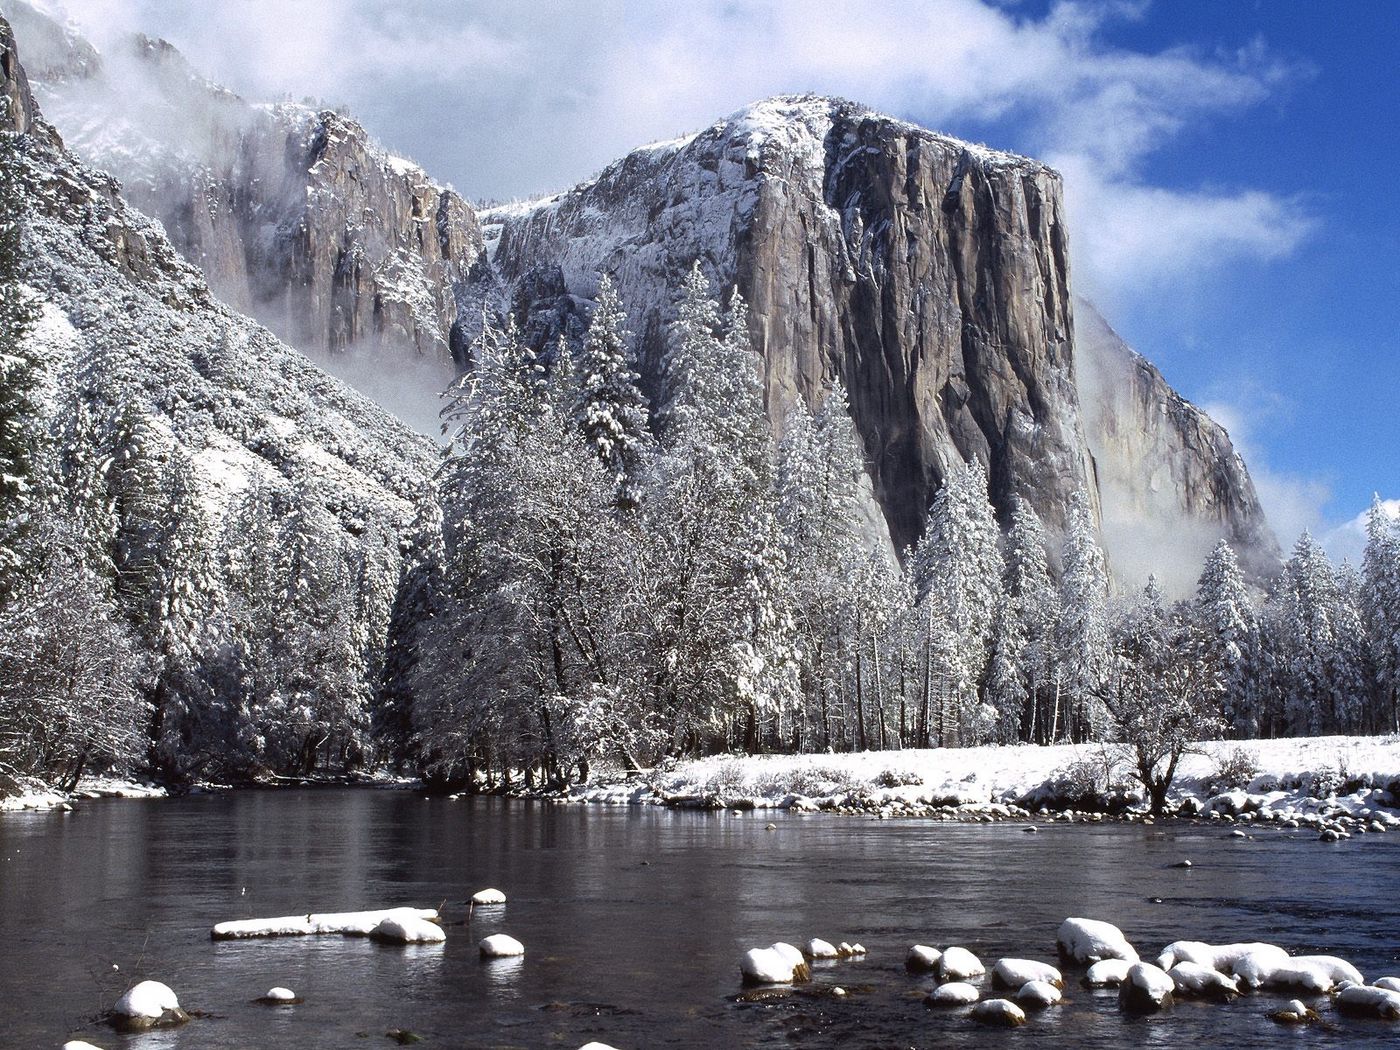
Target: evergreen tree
958,570
611,411
1028,631
1380,608
1229,626
1081,637
20,373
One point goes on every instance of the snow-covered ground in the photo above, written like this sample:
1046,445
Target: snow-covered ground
35,796
1314,781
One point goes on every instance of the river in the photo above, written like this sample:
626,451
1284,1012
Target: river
634,920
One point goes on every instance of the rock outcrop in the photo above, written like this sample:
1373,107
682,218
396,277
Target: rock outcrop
931,276
1169,477
293,213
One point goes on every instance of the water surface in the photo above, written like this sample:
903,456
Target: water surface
634,920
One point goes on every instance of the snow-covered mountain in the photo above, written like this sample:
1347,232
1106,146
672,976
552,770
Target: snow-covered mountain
294,215
130,330
930,275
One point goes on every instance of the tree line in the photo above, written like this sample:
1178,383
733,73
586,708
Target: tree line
597,575
601,577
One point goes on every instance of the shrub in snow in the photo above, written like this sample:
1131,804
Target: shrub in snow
407,929
958,964
1198,981
820,949
1235,768
500,946
1013,973
149,1004
1107,973
488,897
1145,990
999,1013
1089,940
1294,1012
1360,1001
922,959
954,993
1039,994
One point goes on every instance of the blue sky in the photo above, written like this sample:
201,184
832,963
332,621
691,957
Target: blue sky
1228,164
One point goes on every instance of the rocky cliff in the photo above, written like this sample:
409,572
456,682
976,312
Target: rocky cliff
928,275
1171,480
292,212
127,324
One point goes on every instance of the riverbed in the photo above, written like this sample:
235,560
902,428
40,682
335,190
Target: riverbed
634,920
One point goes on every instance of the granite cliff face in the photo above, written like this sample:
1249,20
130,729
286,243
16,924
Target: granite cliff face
292,212
1169,476
928,275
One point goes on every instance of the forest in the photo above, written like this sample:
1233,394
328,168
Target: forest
596,576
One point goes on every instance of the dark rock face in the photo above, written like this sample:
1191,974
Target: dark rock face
929,275
1169,476
293,213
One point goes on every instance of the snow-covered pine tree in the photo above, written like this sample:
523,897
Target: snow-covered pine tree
1229,626
958,570
1081,636
20,418
1380,608
1309,647
1032,609
611,410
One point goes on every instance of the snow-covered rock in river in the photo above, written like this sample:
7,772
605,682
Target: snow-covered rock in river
1222,957
349,923
407,928
149,1004
1039,994
491,896
959,964
922,959
1295,1011
1013,973
279,997
954,993
1194,980
1091,940
1361,1001
820,949
775,964
1318,974
500,946
1107,973
78,1044
998,1013
1145,990
1389,983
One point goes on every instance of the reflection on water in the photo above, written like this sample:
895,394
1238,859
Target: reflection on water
633,921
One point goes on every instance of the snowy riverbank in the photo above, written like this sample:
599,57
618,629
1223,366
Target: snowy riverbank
1313,781
37,797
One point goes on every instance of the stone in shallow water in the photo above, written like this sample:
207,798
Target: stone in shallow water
491,896
922,959
149,1004
954,993
998,1013
500,946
